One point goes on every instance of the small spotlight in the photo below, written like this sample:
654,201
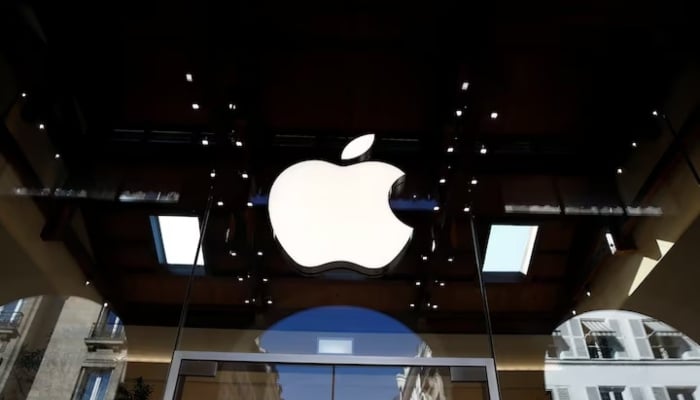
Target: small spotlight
239,143
442,284
450,149
232,253
588,293
619,171
417,283
474,181
449,167
105,304
634,144
213,173
205,142
87,283
244,175
24,95
247,301
483,149
220,203
42,127
415,196
436,208
240,279
443,180
435,306
494,115
260,253
458,113
265,279
465,86
249,204
231,106
195,106
269,301
467,209
450,259
412,305
188,77
655,113
56,156
424,258
573,312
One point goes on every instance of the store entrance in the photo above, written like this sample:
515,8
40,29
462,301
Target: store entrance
224,376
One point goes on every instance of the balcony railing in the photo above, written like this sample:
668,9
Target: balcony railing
9,324
106,336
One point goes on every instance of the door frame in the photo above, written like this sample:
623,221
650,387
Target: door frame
339,360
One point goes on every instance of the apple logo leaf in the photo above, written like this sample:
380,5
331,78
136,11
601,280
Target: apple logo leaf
358,147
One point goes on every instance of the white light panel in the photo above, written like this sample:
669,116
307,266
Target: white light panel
335,346
180,236
509,248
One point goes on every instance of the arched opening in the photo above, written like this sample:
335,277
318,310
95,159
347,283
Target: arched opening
61,347
621,355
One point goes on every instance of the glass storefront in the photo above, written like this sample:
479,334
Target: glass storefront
236,201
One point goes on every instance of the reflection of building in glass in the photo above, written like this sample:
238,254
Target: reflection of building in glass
621,355
421,383
60,348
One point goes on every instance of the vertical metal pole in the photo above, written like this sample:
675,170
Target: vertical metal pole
484,299
333,382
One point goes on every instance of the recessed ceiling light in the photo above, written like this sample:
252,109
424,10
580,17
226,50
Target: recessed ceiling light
433,245
220,203
212,173
231,106
619,171
188,77
655,113
260,253
265,279
450,259
634,144
205,142
244,175
249,204
573,312
474,181
240,279
42,127
57,156
424,258
269,301
232,253
458,113
588,293
443,180
23,95
412,305
467,209
450,149
465,86
247,301
435,306
195,106
417,283
483,149
449,167
105,304
494,115
436,208
87,283
442,284
239,143
509,248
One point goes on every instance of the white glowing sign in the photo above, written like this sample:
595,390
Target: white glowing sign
322,213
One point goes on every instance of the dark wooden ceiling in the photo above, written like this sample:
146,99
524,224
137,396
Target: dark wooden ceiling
573,86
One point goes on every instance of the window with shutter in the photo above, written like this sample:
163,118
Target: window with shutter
593,393
577,339
562,394
619,345
660,393
641,339
565,331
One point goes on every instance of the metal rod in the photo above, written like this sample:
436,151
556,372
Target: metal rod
484,299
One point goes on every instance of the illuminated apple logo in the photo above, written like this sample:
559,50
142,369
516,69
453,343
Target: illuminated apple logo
325,215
